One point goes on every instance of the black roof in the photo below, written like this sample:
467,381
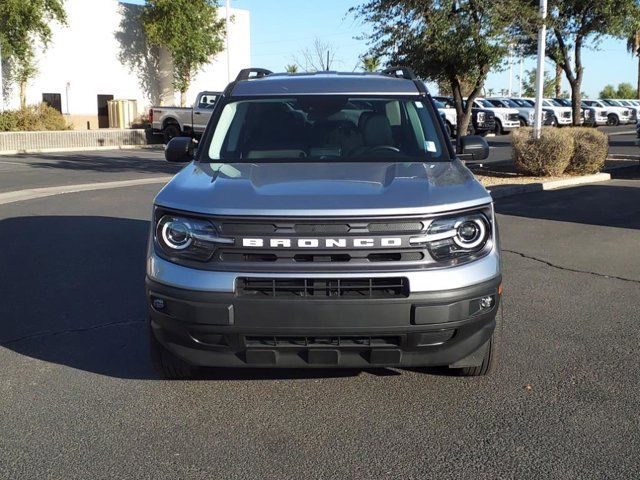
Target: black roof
321,83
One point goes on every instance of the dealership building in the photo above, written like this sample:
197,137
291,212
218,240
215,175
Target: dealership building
101,55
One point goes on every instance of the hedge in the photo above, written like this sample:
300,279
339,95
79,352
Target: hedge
573,150
33,118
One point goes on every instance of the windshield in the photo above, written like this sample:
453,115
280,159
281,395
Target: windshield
564,102
523,102
327,128
592,103
484,103
611,103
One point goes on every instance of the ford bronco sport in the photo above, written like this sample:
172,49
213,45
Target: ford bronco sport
324,220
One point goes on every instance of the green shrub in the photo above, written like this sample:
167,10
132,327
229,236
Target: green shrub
33,118
590,153
547,157
8,121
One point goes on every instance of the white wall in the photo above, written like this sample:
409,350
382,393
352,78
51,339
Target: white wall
86,55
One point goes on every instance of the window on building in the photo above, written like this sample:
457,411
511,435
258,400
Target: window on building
54,100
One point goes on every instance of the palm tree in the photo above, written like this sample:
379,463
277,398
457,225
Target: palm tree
291,68
370,63
633,45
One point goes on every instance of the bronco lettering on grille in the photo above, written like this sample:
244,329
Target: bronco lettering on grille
385,242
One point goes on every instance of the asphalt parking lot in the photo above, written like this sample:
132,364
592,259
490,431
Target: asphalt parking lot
78,398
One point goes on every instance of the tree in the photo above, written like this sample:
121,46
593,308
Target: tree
557,84
291,68
25,25
448,42
191,32
609,91
370,63
317,58
624,90
529,84
572,24
633,46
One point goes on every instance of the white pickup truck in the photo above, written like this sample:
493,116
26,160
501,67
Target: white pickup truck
176,121
507,118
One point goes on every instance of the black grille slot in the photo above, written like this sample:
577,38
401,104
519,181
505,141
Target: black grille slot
319,288
321,228
396,227
303,258
322,341
247,228
395,257
514,117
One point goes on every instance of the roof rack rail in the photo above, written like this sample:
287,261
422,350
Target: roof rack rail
405,72
250,73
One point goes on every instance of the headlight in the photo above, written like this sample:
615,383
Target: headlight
532,114
457,237
188,238
481,117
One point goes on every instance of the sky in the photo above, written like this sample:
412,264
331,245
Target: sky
280,29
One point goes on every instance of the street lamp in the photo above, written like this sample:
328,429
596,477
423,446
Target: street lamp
226,34
542,36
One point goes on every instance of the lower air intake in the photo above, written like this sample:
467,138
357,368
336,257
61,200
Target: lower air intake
316,288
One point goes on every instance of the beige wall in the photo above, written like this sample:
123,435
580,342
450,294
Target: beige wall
100,51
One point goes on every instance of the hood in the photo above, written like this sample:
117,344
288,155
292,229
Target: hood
323,189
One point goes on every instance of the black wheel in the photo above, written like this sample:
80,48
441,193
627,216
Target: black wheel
498,130
491,356
613,120
171,131
523,123
470,128
166,364
554,121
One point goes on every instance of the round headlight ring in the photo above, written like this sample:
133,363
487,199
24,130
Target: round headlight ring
470,233
176,235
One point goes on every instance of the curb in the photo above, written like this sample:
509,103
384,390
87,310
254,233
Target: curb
499,191
81,149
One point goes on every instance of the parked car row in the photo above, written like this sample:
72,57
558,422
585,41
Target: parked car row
504,114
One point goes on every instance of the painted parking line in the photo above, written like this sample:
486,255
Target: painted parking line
33,193
621,133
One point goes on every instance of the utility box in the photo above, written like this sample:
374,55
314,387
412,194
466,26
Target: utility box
122,113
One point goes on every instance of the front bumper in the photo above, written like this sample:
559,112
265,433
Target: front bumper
509,125
225,329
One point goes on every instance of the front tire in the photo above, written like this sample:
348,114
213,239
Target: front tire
491,355
166,364
498,129
171,131
613,120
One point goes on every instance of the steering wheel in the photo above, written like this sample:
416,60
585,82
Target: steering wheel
381,148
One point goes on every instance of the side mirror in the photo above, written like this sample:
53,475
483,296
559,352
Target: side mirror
179,150
473,148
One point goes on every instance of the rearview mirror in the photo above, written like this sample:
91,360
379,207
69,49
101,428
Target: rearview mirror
179,150
473,148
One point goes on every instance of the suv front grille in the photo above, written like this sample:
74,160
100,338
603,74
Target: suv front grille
323,288
323,341
514,117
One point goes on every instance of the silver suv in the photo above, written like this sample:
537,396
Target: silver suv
324,220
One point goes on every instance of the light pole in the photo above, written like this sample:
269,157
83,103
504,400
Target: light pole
542,36
226,34
1,82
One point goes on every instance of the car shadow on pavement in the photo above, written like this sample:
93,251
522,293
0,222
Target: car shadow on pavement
116,163
603,204
72,293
